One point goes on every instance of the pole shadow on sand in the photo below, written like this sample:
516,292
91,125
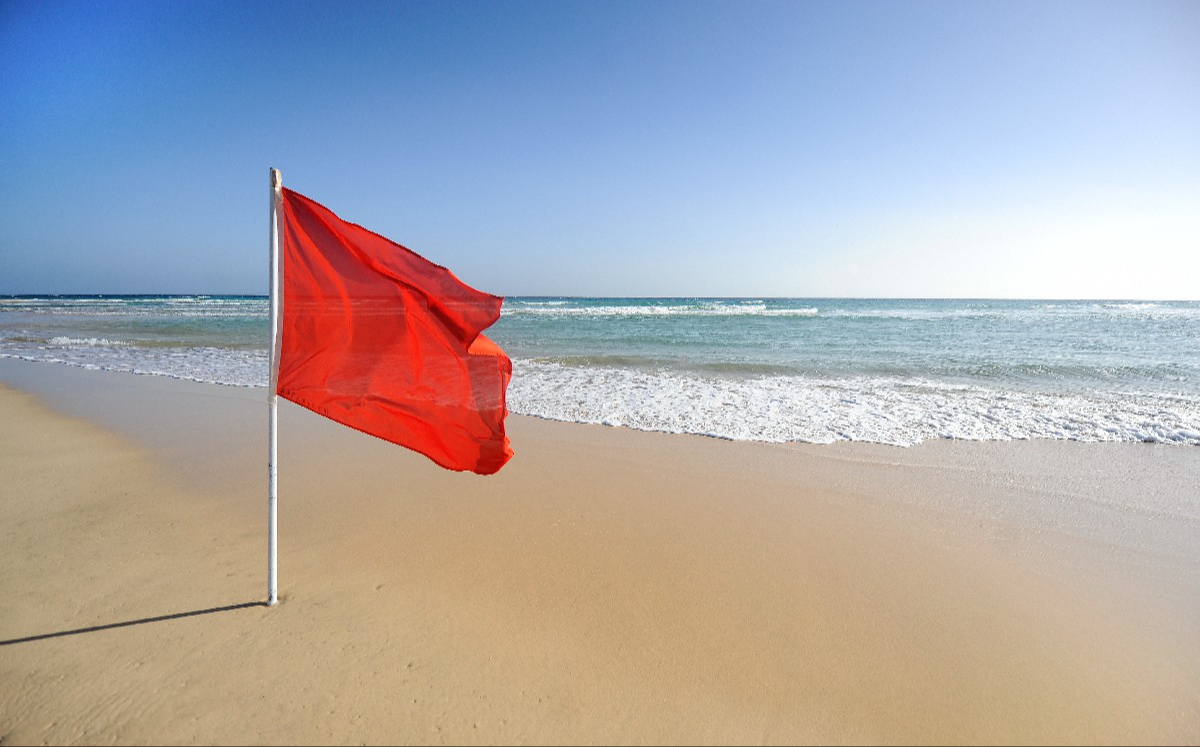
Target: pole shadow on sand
160,618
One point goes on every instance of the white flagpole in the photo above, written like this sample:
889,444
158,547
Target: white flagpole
273,398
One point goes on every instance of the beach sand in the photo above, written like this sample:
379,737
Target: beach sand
607,586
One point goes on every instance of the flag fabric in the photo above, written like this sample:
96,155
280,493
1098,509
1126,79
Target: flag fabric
380,339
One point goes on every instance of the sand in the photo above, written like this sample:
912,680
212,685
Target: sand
607,586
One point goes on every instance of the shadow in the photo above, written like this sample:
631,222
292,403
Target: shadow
143,621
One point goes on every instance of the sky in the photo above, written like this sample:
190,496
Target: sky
873,149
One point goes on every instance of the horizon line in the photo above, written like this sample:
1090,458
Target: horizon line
764,297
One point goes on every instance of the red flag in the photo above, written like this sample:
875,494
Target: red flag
380,339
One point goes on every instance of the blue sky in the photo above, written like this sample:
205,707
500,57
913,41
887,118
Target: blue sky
964,149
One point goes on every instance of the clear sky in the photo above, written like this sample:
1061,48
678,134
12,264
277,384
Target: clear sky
960,149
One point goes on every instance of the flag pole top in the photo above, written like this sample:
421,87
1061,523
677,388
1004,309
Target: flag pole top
276,180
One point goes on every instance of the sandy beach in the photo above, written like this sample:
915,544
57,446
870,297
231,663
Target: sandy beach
608,585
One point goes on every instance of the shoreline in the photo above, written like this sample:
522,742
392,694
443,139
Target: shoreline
608,585
859,370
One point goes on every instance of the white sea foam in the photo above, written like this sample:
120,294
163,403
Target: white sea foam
552,309
1134,306
204,364
874,409
777,408
177,307
85,341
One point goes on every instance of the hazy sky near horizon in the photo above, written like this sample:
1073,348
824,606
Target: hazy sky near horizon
933,149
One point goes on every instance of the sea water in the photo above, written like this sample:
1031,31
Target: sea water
761,369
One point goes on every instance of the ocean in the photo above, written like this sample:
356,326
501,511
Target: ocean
760,369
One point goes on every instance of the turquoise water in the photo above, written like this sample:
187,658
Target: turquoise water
1044,345
819,370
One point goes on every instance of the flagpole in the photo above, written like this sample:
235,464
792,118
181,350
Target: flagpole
273,398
